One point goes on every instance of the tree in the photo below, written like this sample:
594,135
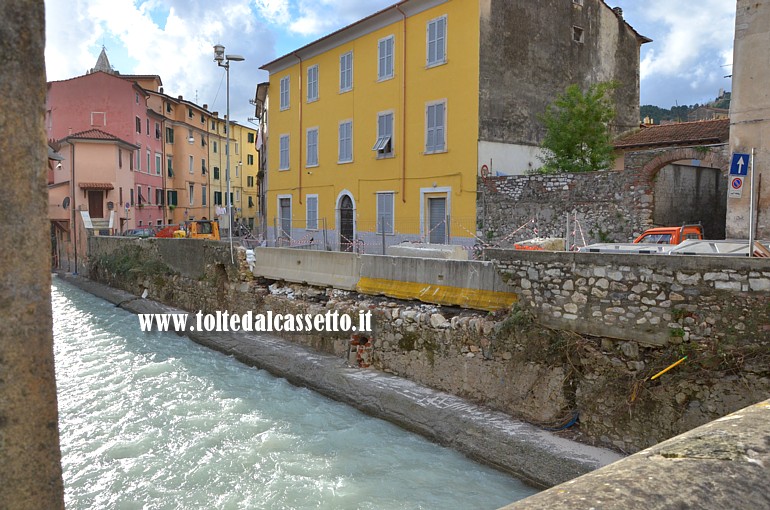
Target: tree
577,130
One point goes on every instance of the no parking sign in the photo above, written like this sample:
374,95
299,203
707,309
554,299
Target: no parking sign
736,187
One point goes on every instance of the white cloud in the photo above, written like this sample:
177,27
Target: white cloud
275,11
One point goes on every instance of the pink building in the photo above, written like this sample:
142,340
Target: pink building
91,179
114,104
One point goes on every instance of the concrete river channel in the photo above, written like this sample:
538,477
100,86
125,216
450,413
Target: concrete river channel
153,420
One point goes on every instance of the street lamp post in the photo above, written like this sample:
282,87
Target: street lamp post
223,60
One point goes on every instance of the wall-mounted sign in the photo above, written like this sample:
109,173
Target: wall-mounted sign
736,187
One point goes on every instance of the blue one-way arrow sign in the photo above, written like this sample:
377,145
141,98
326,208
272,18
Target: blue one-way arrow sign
740,164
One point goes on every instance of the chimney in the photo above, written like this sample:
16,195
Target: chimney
205,106
619,12
180,97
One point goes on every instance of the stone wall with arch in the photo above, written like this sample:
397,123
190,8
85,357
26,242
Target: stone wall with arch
609,206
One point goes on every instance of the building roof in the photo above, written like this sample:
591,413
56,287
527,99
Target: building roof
96,134
683,133
397,9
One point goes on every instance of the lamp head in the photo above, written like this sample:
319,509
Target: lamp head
58,165
219,53
235,58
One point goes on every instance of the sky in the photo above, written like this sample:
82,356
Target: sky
686,63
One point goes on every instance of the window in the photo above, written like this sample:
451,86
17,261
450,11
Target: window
237,196
385,212
159,196
138,165
131,162
346,72
385,58
190,136
131,196
203,195
312,83
250,181
157,131
192,162
312,147
120,159
148,127
236,147
251,202
284,93
437,41
435,132
217,198
384,143
191,192
345,153
203,141
216,172
139,196
203,119
250,137
215,147
168,107
170,166
190,112
284,153
169,135
149,157
311,203
138,125
158,163
172,197
149,194
203,166
136,97
250,159
577,34
237,169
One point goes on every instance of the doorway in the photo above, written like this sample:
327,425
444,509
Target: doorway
347,230
437,220
95,204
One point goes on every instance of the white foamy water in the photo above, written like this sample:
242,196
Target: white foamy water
153,420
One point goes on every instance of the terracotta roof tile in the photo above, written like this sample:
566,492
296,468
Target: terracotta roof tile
96,185
683,133
96,134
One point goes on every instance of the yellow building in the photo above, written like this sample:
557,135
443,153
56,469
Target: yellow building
367,128
243,171
377,132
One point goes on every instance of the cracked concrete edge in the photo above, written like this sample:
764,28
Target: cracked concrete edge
533,455
723,464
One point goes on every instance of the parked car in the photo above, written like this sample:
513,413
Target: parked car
139,232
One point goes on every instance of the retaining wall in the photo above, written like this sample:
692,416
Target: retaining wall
505,360
651,299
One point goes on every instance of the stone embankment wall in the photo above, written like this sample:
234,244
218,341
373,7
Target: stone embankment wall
649,299
507,361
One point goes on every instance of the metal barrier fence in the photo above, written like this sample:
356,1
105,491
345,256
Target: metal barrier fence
370,237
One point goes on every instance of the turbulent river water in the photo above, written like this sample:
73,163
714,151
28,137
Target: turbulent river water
153,420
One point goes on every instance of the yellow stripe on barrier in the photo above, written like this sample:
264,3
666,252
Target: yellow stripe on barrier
477,299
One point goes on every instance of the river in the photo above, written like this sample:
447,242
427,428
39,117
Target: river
155,421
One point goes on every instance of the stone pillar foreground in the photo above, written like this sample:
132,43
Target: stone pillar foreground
30,460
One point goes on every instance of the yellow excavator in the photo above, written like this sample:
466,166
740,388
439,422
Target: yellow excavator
198,229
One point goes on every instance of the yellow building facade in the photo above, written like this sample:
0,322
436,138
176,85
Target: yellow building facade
372,131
